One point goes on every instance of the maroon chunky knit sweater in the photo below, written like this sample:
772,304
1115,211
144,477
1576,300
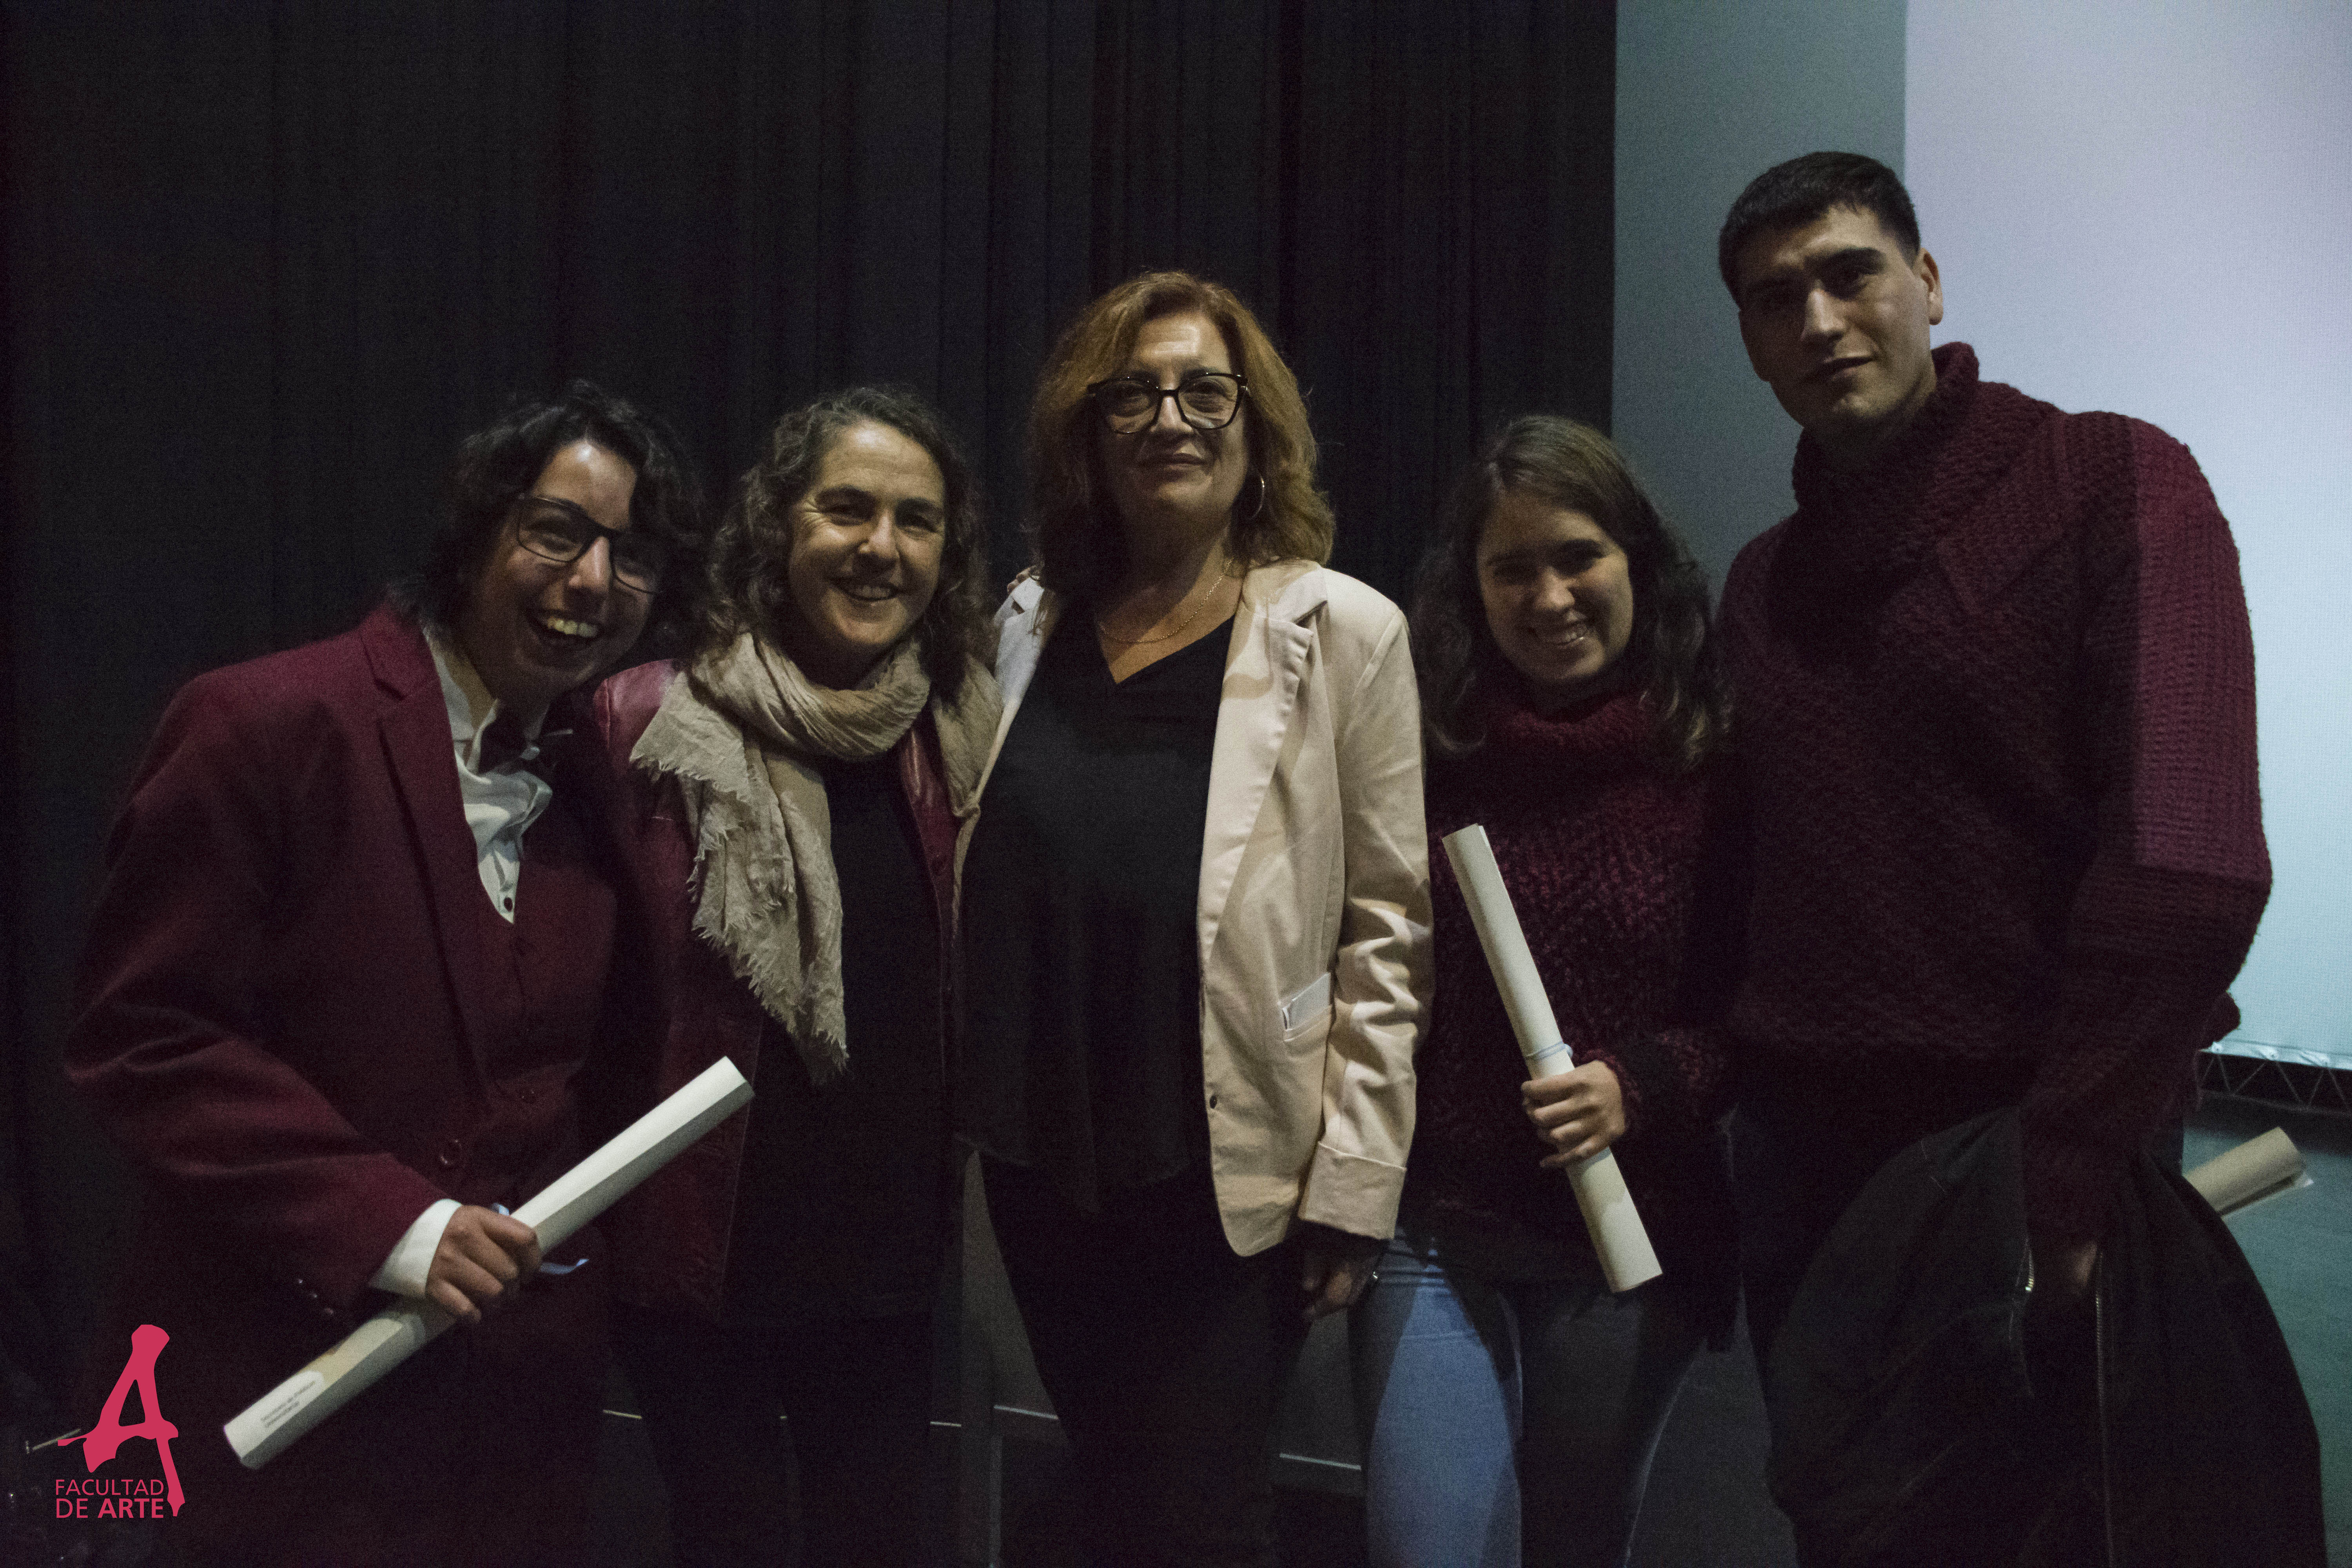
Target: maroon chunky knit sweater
1600,849
1996,715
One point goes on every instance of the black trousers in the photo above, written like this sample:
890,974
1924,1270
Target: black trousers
857,1394
1793,1175
1166,1356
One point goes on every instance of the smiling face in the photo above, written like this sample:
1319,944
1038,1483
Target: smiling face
1168,474
867,543
1835,317
1558,592
532,629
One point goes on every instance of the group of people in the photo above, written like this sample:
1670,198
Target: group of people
1128,886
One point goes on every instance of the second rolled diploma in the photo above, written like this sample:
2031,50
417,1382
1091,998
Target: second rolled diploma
356,1363
1618,1235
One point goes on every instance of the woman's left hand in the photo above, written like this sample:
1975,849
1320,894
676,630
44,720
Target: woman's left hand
1334,1268
1578,1112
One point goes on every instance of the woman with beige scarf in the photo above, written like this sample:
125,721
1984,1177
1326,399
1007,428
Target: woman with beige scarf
801,787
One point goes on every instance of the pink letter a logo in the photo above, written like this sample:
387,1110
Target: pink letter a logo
100,1442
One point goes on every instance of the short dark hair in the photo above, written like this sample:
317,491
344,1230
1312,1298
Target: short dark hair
496,465
749,590
1079,550
1791,194
1671,654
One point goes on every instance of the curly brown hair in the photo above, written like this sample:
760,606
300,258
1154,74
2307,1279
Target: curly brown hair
748,589
494,466
1672,654
1075,542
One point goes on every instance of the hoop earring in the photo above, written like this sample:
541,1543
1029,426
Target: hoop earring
1259,510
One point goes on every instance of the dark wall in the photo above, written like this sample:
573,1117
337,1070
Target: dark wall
265,263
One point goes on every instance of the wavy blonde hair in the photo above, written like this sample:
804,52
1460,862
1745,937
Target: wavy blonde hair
1074,540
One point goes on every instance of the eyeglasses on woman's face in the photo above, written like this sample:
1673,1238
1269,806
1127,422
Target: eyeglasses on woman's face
560,533
1206,399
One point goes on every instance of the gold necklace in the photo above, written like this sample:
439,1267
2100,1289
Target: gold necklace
1224,575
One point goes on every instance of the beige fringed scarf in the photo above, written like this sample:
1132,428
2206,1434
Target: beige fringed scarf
740,732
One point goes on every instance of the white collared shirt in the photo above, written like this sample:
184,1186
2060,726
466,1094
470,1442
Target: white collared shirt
502,804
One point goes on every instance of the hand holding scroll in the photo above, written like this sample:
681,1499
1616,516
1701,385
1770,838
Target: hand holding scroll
482,1259
352,1366
1578,1112
1618,1238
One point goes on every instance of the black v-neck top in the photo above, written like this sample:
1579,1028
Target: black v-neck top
1082,1058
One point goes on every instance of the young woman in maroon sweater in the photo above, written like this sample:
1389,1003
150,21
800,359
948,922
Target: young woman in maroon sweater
1572,704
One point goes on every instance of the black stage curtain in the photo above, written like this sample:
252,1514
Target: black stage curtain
266,262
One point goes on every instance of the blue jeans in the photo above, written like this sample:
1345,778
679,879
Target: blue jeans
1508,1420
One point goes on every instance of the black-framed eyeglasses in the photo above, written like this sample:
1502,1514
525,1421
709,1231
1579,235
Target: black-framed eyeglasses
559,532
1206,399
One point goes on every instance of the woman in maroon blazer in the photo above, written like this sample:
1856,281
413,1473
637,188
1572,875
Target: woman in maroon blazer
351,957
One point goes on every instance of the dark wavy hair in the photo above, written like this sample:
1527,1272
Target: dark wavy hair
749,590
1075,542
1671,654
497,464
1798,192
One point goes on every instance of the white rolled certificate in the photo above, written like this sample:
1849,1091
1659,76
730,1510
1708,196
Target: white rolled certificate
1618,1235
350,1368
2254,1171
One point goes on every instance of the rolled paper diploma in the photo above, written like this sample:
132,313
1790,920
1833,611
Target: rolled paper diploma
350,1368
2256,1170
1618,1235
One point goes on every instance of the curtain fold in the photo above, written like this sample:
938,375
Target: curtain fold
267,262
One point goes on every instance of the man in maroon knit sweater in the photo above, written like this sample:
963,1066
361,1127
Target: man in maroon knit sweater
1996,714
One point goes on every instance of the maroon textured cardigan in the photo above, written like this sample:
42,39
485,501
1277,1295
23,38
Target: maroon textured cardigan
1601,849
1997,722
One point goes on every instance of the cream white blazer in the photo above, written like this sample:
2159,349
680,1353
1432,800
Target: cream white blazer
1314,901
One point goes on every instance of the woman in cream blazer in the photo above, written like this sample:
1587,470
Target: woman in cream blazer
1314,900
1173,1215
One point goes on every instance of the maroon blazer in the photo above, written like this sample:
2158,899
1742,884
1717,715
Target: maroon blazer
670,1237
296,1013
